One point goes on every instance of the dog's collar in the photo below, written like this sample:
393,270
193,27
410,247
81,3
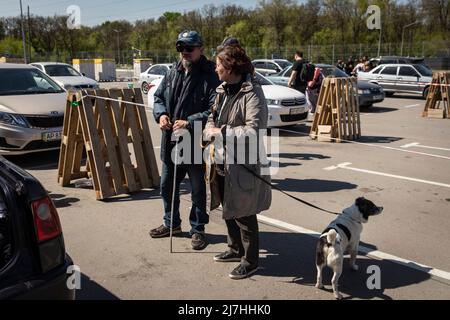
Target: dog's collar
343,228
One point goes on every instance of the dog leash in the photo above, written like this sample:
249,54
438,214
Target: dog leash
210,180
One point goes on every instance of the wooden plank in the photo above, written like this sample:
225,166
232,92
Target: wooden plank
122,136
97,164
149,153
67,154
130,111
110,142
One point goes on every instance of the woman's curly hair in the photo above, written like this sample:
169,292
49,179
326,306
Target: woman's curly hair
234,58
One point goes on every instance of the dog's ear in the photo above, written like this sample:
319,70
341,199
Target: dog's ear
361,204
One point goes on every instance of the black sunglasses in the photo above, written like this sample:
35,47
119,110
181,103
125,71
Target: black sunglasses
188,49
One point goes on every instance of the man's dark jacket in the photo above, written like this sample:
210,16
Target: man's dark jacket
194,103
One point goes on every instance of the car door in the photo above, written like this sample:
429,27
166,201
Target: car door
407,79
387,78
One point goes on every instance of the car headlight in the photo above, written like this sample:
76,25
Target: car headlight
363,91
13,120
273,102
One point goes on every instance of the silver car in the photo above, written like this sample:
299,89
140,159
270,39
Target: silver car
156,71
32,109
66,76
408,78
270,66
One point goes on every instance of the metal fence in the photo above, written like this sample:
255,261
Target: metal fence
316,53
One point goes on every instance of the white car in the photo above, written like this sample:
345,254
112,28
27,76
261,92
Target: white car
66,76
156,71
32,109
268,67
287,106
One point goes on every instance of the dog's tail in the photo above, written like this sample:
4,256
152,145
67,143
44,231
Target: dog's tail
331,236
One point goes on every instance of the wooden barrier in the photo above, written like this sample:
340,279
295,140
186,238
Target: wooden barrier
106,130
438,92
337,115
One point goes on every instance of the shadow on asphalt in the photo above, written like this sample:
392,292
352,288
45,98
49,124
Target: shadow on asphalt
292,255
377,109
39,161
91,290
312,185
378,139
61,201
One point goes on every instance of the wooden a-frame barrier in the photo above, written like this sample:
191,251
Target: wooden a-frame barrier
106,130
337,114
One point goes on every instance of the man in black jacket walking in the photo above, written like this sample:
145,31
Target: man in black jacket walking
184,97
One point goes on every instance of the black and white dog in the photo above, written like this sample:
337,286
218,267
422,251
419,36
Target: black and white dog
341,235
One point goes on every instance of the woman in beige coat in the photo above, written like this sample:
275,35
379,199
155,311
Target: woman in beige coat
240,111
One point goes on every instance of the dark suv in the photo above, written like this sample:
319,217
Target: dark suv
33,259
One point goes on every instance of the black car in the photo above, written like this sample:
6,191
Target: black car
395,60
33,259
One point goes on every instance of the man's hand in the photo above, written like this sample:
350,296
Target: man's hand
180,124
164,123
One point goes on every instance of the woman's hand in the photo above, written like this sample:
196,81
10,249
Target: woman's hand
180,124
209,133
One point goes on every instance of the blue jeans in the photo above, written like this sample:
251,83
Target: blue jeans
198,216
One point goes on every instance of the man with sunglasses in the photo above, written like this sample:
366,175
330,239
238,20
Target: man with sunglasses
184,97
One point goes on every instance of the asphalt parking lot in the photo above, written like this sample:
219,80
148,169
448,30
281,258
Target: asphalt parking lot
401,163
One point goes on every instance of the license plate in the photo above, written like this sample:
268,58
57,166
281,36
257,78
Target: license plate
297,110
377,97
51,136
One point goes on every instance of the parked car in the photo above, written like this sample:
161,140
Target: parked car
408,78
368,93
395,60
66,76
32,109
156,71
270,66
33,259
287,106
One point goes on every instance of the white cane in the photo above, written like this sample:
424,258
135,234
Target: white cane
173,192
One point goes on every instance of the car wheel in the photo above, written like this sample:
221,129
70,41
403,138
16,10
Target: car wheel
145,88
425,92
389,94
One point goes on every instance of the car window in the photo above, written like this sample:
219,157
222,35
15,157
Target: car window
26,81
38,66
389,71
407,72
272,66
288,72
61,71
260,65
262,80
377,70
283,64
153,70
423,70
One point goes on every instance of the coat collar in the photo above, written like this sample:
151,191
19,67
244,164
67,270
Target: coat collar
247,86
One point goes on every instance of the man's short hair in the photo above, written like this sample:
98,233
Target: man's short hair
299,53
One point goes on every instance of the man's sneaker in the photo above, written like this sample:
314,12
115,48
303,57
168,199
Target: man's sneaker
227,256
242,272
163,231
198,241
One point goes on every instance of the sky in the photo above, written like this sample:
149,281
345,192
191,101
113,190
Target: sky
94,12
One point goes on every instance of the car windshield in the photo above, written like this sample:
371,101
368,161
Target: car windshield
332,71
283,63
56,70
423,70
263,80
26,81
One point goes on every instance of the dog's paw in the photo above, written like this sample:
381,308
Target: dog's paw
355,267
319,286
338,296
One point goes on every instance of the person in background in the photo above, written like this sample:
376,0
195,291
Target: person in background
313,90
295,80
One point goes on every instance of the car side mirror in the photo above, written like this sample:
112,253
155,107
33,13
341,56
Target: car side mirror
83,74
